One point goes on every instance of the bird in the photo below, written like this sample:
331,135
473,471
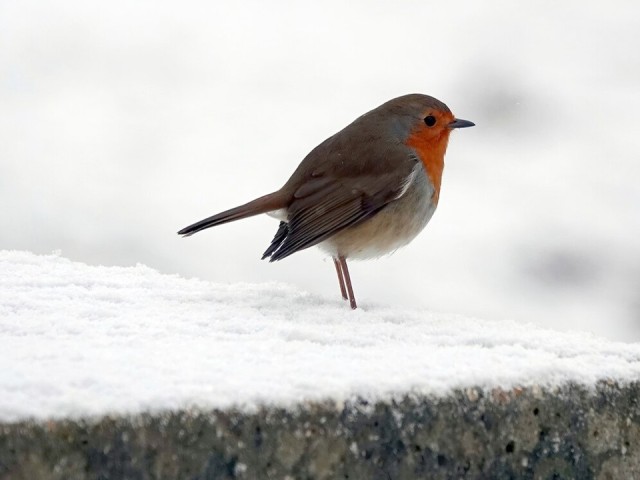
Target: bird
362,193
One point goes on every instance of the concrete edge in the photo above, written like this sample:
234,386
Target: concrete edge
566,432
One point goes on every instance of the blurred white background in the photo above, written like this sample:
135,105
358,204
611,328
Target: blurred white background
123,121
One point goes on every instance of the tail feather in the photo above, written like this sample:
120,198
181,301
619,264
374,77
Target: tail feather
267,203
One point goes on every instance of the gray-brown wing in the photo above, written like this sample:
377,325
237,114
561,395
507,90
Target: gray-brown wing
323,206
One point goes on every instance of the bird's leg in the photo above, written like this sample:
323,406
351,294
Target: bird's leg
343,290
347,280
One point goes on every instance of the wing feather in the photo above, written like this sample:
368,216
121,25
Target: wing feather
323,203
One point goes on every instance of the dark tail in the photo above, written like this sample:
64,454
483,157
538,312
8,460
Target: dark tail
273,201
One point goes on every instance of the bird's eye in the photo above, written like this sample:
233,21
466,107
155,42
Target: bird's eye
430,120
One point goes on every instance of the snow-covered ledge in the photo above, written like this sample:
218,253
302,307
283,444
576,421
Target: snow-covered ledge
112,372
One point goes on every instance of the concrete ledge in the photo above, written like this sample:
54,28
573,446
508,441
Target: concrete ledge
569,432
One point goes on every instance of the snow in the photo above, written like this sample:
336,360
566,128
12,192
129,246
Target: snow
83,340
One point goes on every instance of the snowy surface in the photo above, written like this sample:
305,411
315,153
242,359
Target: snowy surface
121,122
83,340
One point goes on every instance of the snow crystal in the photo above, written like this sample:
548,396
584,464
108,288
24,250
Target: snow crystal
89,340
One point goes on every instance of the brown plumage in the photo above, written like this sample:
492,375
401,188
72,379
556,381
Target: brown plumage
363,192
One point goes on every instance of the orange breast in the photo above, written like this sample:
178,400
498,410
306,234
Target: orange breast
431,152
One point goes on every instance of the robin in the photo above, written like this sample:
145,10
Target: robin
363,192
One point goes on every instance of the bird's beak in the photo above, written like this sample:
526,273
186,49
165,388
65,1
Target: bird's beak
459,123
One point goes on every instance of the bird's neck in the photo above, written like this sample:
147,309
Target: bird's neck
431,153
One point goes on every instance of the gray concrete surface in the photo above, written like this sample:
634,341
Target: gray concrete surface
533,433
